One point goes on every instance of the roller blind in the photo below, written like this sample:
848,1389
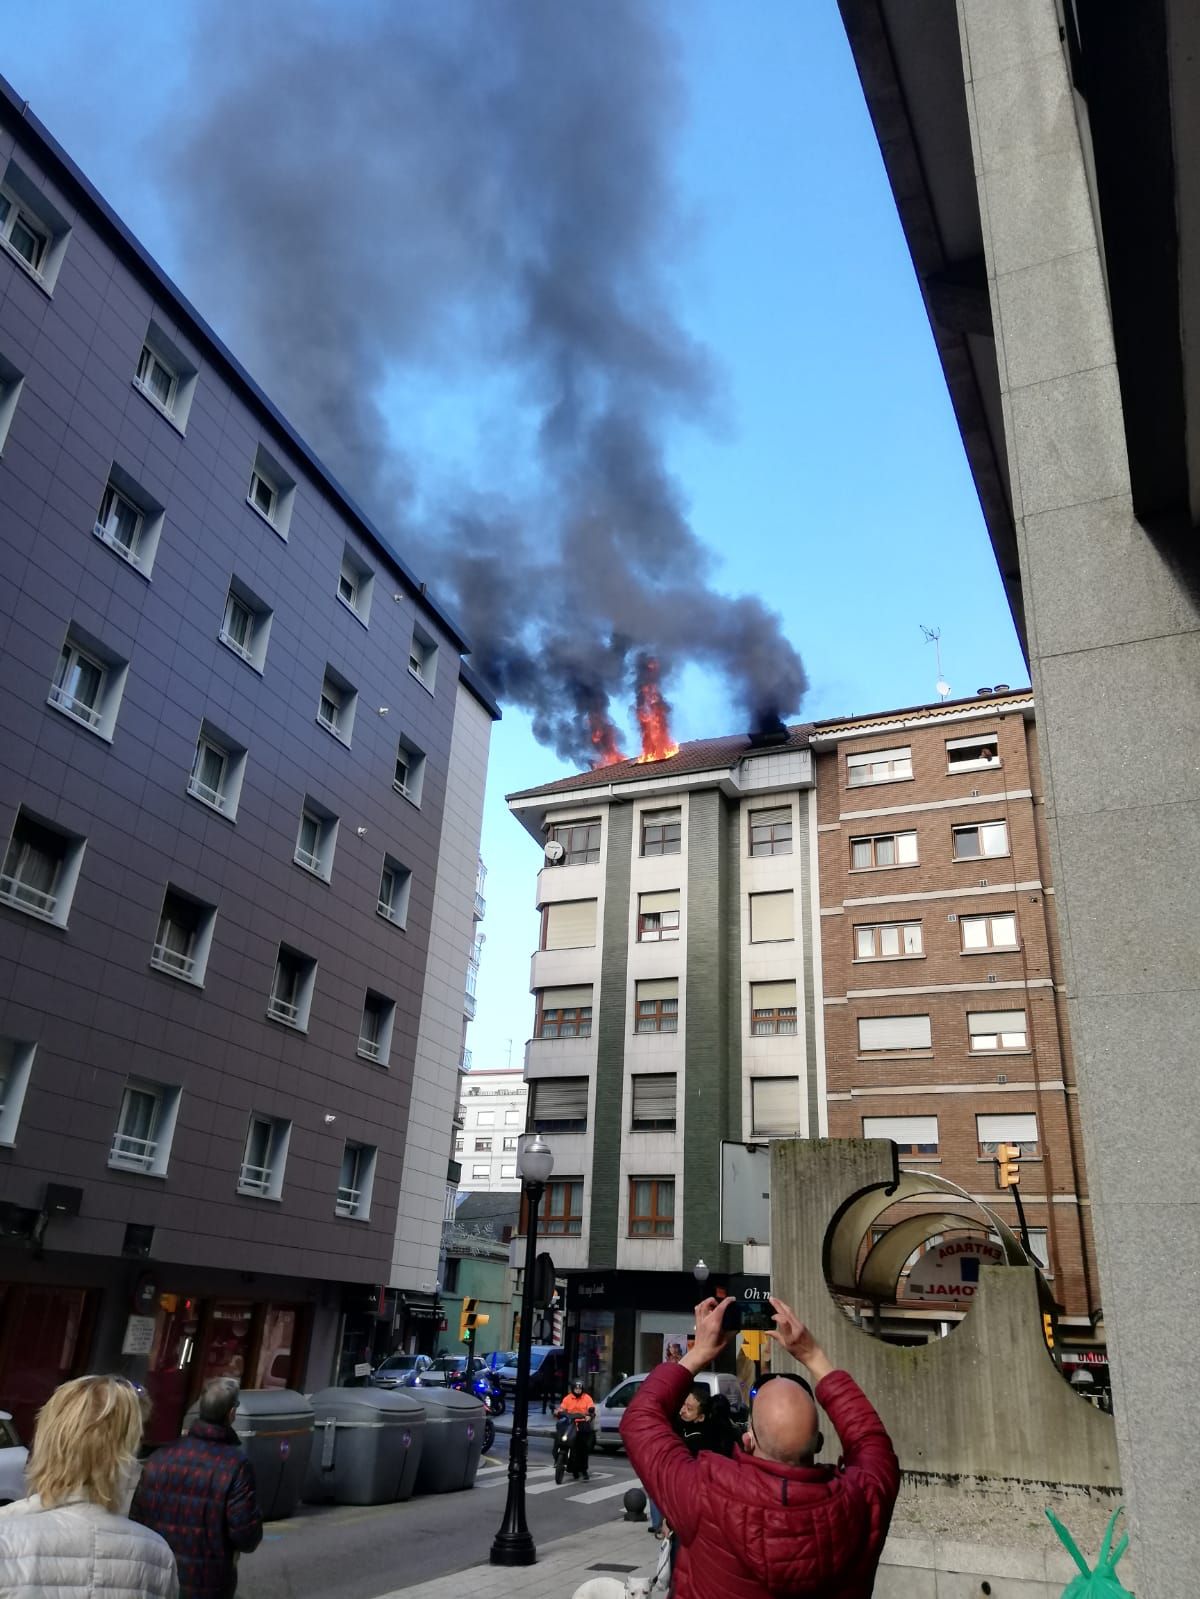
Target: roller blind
668,900
870,757
566,998
894,1032
971,743
559,1099
770,996
571,924
771,917
902,1129
775,1105
659,988
1020,1128
996,1021
654,1097
770,818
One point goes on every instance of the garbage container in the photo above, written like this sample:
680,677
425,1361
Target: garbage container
275,1427
453,1441
366,1446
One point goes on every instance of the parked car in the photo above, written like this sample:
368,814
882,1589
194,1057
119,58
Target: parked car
611,1409
500,1357
440,1373
548,1374
13,1458
398,1371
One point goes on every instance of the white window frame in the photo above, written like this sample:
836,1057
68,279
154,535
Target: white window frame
480,1173
904,1132
987,920
147,361
998,1035
412,784
265,1180
1008,1127
190,966
377,1049
343,696
148,1157
986,832
317,862
292,1012
19,210
260,480
393,907
354,1198
771,817
879,766
224,798
900,847
16,1068
423,658
281,491
71,657
969,762
761,1128
878,1051
254,650
359,579
47,905
110,501
877,930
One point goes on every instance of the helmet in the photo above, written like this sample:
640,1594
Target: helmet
577,1385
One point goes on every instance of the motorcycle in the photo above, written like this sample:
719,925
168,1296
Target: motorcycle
572,1438
483,1394
488,1388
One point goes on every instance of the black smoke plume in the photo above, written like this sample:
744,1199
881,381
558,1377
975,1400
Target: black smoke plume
382,197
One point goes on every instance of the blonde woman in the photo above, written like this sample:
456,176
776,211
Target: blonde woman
72,1538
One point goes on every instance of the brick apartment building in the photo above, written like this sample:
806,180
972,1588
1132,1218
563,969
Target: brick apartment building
240,803
945,1011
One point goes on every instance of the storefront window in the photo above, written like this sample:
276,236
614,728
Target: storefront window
273,1368
228,1341
595,1351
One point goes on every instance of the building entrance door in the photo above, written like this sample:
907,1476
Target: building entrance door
43,1339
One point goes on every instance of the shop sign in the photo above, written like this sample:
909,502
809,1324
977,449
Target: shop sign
1085,1357
951,1270
139,1336
363,1369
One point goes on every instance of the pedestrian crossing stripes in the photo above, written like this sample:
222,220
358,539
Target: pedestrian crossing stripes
540,1480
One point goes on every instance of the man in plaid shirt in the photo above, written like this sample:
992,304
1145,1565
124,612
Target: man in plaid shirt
199,1494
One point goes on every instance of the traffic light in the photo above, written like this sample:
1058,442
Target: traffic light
1008,1169
752,1343
1048,1328
466,1319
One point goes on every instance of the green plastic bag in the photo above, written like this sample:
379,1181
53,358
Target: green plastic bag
1103,1583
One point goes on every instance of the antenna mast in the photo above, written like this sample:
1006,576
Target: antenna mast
933,635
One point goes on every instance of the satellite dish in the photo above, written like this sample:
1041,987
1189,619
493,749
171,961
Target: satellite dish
554,852
943,687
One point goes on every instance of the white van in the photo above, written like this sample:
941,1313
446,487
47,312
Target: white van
611,1409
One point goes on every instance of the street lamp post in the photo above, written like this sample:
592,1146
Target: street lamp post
513,1545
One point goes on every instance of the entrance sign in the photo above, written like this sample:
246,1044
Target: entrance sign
950,1271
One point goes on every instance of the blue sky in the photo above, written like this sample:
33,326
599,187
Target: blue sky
833,482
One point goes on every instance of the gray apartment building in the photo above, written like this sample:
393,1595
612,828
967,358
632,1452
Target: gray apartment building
240,795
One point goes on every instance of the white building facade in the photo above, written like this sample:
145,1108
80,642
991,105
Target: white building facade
491,1118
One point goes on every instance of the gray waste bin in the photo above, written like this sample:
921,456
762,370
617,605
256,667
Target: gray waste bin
275,1427
366,1447
453,1440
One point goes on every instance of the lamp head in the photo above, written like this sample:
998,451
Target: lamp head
700,1271
535,1160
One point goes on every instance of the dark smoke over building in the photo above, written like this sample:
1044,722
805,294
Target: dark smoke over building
475,197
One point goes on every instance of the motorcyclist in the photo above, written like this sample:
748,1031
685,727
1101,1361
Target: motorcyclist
578,1410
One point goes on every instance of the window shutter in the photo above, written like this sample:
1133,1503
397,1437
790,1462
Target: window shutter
894,1032
566,998
1012,1129
775,1105
571,924
971,743
770,818
771,917
995,1021
870,757
654,1096
902,1129
769,996
559,1099
659,988
648,904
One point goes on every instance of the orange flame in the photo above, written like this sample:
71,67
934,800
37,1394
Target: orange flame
653,714
604,740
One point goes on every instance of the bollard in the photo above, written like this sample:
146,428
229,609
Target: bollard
635,1504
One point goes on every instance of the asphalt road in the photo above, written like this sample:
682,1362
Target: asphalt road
358,1552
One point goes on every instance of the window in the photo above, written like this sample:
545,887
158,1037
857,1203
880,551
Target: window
772,918
657,1006
775,1107
508,1173
458,1145
375,1029
21,231
16,1068
564,1013
976,843
508,1146
878,766
771,832
31,227
513,1118
486,1118
272,492
569,924
145,1128
184,937
355,582
894,1035
480,1173
1039,1247
660,832
355,1181
217,770
422,657
410,771
264,496
395,884
291,988
264,1158
129,521
912,1135
335,708
972,754
316,839
888,941
245,624
1020,1128
773,1009
41,869
884,849
558,1105
88,683
652,1207
11,383
483,1146
653,1101
988,932
997,1030
658,917
580,841
166,376
562,1209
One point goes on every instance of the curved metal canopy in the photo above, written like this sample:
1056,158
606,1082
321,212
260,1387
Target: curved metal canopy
879,1277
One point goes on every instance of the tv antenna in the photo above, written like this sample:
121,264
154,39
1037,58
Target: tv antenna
933,635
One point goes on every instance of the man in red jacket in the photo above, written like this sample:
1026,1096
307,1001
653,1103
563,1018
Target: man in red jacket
768,1521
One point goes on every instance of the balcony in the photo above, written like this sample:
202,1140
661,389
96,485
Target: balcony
469,1006
480,906
464,1064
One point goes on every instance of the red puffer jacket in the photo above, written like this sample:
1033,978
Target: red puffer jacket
748,1527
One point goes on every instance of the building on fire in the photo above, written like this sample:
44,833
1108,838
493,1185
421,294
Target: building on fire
240,804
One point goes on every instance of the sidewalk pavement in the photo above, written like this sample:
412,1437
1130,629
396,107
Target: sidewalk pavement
615,1548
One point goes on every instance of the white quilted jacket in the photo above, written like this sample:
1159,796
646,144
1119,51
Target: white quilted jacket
79,1550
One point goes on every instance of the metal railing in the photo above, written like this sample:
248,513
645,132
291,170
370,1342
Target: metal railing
255,1179
308,860
170,960
129,1151
369,1048
36,900
480,906
79,709
231,643
386,908
348,1200
464,1064
210,796
469,1007
127,552
282,1011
